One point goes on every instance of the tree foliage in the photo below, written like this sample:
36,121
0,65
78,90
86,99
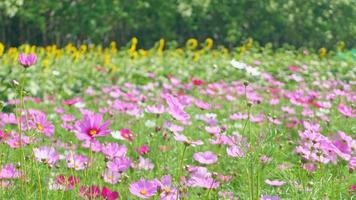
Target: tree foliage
312,23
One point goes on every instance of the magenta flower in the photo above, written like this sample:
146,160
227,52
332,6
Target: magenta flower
67,184
27,60
47,155
111,177
8,171
91,192
91,126
119,164
123,134
207,157
114,150
107,194
275,183
143,149
144,188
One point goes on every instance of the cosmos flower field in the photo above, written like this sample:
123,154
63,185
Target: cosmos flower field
93,122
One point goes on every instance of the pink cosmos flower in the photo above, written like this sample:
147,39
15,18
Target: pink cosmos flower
176,109
143,149
78,162
8,171
186,141
4,135
93,145
235,151
91,192
120,164
168,192
144,189
352,164
47,155
202,105
111,177
158,109
39,122
73,101
123,134
27,60
267,197
91,126
144,164
114,150
107,194
276,183
14,141
200,177
7,119
207,157
67,184
346,111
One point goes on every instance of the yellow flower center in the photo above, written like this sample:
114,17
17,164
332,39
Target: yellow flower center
93,132
167,190
40,127
143,192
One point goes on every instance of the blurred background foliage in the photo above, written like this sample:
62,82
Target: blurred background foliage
309,23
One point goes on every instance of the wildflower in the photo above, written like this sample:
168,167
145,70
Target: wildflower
176,110
8,171
39,122
158,109
144,188
14,141
107,194
168,192
207,157
67,184
144,164
78,162
186,141
346,111
123,134
143,149
267,197
197,82
111,177
90,192
200,177
120,164
91,126
47,155
276,183
114,150
27,60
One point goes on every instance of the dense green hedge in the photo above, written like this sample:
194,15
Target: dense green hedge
312,23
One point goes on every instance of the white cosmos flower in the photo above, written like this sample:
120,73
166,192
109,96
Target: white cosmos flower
253,71
238,65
